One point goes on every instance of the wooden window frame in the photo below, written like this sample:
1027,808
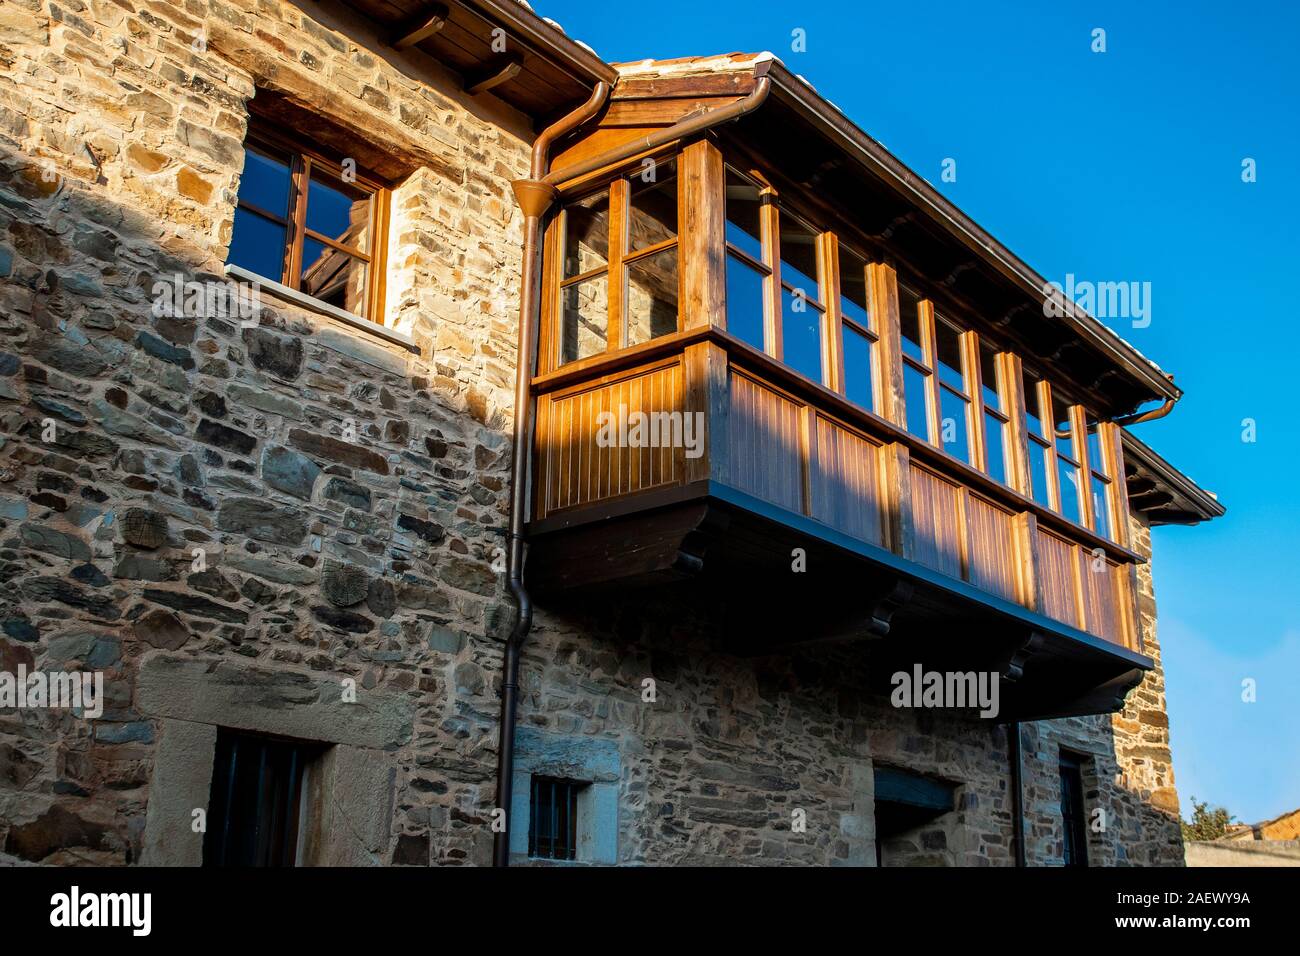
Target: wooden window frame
1103,470
833,360
618,193
973,353
927,319
302,158
827,301
1078,417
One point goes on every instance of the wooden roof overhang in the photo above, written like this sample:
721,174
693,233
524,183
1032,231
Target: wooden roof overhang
541,72
1160,492
708,538
816,156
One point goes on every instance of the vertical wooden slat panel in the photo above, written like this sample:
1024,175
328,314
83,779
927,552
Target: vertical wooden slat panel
1057,569
993,549
573,467
765,450
846,485
936,512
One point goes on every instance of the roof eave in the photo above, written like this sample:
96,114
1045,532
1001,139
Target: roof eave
1203,504
565,53
795,92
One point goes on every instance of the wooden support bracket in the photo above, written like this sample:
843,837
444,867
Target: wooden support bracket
493,73
421,26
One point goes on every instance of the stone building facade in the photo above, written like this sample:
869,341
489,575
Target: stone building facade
293,525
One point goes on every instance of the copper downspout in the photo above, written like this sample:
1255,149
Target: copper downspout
1150,416
535,196
1017,766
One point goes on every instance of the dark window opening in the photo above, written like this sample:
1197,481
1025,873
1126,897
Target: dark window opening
553,819
1073,816
254,810
905,802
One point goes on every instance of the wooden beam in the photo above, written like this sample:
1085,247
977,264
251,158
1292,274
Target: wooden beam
493,73
421,26
884,309
702,212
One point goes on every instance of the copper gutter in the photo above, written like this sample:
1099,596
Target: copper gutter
535,196
687,127
1150,416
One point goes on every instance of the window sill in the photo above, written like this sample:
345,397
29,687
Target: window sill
304,301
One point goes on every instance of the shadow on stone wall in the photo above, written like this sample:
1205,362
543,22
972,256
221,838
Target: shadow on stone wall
292,493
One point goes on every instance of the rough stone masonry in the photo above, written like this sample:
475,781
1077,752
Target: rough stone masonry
236,522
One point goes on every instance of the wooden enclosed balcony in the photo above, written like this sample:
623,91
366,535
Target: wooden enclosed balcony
679,452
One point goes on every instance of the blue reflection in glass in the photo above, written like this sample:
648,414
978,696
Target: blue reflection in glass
336,210
744,302
857,369
955,432
918,417
801,334
1038,473
994,433
257,244
265,182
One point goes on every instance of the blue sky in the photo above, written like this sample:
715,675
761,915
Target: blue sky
1116,166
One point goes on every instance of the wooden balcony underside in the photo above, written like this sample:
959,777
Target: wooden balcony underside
708,537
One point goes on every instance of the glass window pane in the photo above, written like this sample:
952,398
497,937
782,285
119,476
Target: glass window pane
954,427
586,235
257,244
584,319
799,257
1067,476
1064,431
947,348
1096,460
743,229
744,302
918,416
265,180
801,332
334,277
339,210
995,453
651,308
1101,506
1038,473
989,377
1033,423
652,209
910,320
853,288
858,371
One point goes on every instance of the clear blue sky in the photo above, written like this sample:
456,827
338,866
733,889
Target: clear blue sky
1115,166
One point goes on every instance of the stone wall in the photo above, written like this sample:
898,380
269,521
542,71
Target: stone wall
289,505
234,523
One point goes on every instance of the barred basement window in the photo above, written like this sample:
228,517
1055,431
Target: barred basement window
1074,846
553,818
255,807
311,222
